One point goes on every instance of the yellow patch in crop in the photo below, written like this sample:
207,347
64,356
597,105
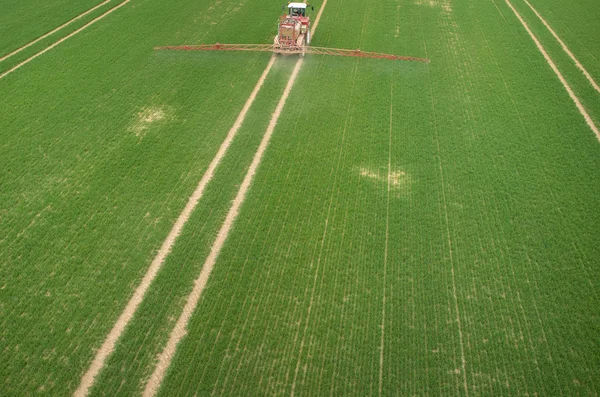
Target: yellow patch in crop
430,3
146,117
399,181
369,174
445,5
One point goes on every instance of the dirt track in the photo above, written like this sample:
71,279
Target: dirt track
54,30
25,62
582,110
88,379
180,329
566,49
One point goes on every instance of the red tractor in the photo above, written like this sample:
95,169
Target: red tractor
294,30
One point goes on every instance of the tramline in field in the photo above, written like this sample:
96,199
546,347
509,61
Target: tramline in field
293,37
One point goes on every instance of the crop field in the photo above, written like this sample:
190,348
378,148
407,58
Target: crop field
194,223
22,21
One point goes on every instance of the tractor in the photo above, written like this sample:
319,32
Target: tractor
293,33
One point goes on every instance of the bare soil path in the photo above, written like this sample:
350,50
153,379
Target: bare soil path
93,21
575,99
88,379
54,30
566,49
180,330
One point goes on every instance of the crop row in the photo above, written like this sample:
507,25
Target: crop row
576,24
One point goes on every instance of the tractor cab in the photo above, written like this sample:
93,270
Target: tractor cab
297,9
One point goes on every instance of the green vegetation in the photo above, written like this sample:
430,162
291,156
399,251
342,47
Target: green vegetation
494,204
149,330
584,90
90,189
458,197
577,24
22,21
43,42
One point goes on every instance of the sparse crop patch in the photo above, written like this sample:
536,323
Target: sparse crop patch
150,116
398,180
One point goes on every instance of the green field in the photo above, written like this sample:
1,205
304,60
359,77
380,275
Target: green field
413,228
23,21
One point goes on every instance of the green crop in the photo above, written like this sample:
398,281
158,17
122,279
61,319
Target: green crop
102,142
457,197
23,21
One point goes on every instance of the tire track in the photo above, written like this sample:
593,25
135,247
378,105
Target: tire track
88,379
25,62
550,62
180,329
54,30
565,48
